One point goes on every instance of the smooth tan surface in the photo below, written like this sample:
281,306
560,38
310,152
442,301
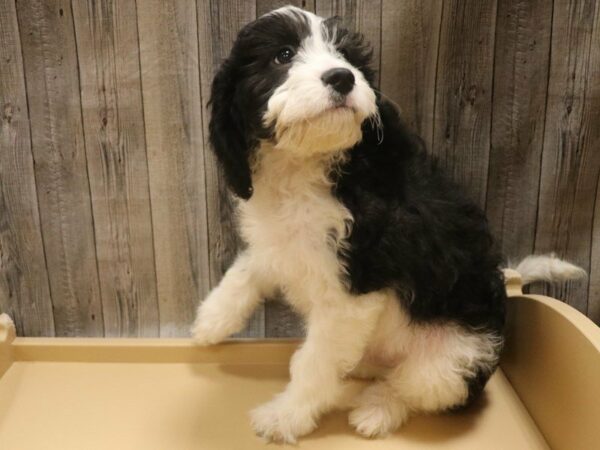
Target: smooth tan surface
168,394
552,360
62,405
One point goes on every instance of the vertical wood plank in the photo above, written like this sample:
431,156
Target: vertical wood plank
593,297
363,16
368,21
173,122
437,61
346,9
571,156
409,49
219,23
593,309
519,108
461,135
24,285
113,122
51,73
281,321
264,6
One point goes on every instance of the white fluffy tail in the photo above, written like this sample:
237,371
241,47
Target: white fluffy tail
548,268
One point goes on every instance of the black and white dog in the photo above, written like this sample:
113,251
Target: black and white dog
389,263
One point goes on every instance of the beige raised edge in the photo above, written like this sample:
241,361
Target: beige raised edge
86,394
552,360
65,393
7,335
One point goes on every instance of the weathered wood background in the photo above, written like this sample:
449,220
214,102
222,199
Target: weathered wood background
114,219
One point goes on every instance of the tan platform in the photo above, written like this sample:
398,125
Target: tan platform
83,394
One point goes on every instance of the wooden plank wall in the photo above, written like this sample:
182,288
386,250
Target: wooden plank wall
115,221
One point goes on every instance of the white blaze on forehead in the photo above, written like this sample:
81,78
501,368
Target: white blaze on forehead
302,108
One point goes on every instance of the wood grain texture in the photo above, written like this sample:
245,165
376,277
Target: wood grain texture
571,156
593,307
461,135
115,218
409,50
518,114
173,121
113,119
51,73
264,6
368,21
24,284
218,25
593,125
281,321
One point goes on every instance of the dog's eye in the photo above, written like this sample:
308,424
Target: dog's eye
285,55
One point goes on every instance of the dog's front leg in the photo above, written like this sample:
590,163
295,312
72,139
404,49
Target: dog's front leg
229,306
338,332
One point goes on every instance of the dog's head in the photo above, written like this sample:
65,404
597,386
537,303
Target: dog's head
296,80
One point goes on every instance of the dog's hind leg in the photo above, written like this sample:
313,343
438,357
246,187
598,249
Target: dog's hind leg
443,367
338,331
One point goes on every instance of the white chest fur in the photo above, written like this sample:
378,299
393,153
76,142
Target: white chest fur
294,225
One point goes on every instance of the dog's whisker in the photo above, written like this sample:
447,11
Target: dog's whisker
387,97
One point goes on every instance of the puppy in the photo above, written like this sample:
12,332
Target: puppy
389,263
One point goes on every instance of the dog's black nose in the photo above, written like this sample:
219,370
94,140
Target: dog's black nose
340,79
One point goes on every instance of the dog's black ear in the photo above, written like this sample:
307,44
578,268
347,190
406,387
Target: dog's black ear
228,132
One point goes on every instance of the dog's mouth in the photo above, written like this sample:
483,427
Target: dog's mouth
335,113
341,101
339,109
333,129
323,120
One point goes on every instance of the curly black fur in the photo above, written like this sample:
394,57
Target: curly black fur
416,231
241,90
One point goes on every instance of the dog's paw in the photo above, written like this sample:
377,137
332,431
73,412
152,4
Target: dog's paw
377,414
204,335
208,330
281,421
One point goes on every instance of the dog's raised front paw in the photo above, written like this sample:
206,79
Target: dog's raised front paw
204,335
209,329
281,421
